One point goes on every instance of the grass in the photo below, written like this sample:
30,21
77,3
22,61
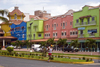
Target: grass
73,55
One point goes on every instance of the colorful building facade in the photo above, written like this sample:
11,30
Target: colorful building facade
87,21
60,26
19,30
35,29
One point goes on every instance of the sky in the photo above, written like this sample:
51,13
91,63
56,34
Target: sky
55,7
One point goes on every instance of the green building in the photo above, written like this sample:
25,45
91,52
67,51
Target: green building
35,29
87,21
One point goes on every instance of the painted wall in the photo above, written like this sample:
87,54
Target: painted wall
6,28
19,30
36,29
68,20
87,26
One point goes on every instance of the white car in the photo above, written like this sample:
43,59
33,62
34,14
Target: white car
37,49
12,46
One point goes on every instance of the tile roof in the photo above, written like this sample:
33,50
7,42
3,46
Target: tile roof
31,16
16,10
5,23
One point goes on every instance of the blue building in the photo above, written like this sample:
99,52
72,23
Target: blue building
19,30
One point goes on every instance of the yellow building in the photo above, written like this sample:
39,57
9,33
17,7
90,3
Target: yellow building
6,28
16,14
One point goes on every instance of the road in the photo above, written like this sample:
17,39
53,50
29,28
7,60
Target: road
16,62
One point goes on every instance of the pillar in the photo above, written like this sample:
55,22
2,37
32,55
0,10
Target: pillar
97,47
3,43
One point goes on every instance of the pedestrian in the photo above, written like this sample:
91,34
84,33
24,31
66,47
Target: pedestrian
50,49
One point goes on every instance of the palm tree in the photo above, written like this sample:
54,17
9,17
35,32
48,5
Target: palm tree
62,42
90,43
44,50
75,43
2,17
27,43
18,44
50,41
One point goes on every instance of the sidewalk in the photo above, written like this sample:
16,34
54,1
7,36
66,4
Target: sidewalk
84,53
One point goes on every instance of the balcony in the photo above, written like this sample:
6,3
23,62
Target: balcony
92,23
81,35
85,24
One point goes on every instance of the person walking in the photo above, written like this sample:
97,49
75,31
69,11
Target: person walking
50,50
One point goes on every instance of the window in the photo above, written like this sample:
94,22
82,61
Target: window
62,33
65,33
81,31
54,26
53,34
29,35
15,17
76,32
88,20
92,18
70,33
73,32
49,34
63,25
66,23
39,35
77,21
45,35
56,34
70,23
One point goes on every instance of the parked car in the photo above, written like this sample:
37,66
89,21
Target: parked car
12,46
68,48
38,49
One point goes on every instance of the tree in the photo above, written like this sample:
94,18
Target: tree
44,50
18,44
62,42
90,43
2,17
26,42
75,43
50,41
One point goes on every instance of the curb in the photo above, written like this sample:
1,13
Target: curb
53,60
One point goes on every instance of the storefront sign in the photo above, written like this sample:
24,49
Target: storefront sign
82,28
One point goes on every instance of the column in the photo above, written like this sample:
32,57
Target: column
81,47
3,43
56,46
97,47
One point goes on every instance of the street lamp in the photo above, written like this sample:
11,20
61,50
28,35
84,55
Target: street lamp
30,37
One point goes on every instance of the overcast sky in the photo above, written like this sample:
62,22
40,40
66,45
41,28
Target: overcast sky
55,7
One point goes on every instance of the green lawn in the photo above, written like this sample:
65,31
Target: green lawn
72,55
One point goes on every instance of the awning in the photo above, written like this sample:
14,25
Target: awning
85,16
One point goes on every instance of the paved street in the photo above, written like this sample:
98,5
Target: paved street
15,62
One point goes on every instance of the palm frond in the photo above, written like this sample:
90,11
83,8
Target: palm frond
4,19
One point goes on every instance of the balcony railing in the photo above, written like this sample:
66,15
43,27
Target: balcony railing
92,23
81,35
85,23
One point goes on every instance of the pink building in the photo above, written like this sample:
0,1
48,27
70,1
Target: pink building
60,26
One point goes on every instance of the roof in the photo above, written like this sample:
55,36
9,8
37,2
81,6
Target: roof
17,11
16,22
31,16
91,7
8,37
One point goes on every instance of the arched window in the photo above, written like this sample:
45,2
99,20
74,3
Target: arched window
15,17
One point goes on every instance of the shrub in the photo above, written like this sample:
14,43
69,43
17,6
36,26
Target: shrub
79,58
68,57
91,59
0,47
83,58
87,59
10,49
